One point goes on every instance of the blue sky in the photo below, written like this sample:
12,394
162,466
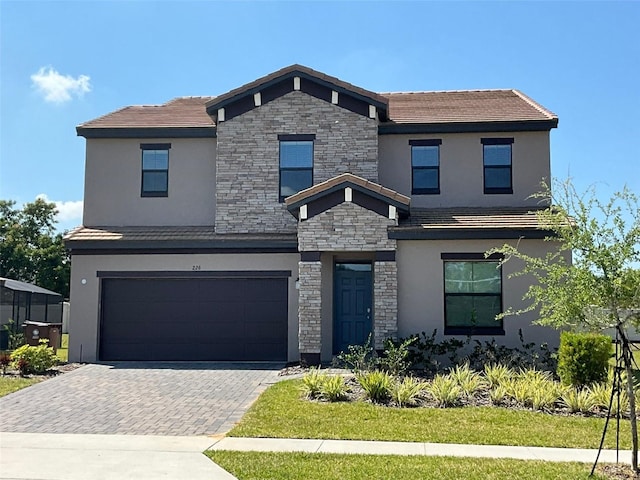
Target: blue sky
62,63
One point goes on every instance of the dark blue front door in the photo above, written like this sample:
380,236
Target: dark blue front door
352,305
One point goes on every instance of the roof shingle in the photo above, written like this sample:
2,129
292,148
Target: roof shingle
521,218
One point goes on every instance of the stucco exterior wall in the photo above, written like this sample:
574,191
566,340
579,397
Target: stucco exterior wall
461,168
113,180
85,298
247,172
421,288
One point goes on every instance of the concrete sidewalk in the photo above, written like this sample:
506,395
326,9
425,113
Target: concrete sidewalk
41,456
418,448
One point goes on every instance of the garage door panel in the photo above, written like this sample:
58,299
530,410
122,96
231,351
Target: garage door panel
194,319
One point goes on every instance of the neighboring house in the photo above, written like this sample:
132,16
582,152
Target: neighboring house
297,214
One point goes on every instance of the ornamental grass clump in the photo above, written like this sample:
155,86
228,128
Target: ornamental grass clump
578,400
407,392
468,380
312,383
376,385
497,374
333,389
445,391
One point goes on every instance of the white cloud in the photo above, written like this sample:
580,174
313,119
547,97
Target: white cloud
57,88
68,212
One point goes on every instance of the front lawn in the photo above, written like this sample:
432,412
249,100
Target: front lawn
310,466
280,412
63,352
10,384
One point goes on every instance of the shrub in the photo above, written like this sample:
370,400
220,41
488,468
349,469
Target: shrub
497,374
426,352
583,358
468,380
28,359
312,383
333,388
578,400
395,358
359,358
5,360
444,390
376,384
406,392
528,355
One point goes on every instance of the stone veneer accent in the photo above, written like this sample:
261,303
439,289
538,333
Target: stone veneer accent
309,307
247,158
385,302
346,227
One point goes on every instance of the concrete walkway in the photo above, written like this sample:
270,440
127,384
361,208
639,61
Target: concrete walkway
41,456
418,448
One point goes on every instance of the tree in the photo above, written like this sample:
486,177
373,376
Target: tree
591,281
30,249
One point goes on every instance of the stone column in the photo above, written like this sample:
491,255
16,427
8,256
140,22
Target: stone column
385,295
309,308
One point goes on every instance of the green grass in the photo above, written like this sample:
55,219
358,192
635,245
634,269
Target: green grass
280,412
13,384
310,466
63,351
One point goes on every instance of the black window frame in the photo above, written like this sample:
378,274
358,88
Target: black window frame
492,142
154,146
498,329
294,138
425,143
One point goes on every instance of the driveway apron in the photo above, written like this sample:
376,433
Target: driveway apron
139,399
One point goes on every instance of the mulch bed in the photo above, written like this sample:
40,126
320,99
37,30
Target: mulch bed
53,372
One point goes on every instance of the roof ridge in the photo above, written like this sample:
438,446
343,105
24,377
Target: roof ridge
535,104
184,97
450,91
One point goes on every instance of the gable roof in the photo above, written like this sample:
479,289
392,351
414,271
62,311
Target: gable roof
290,72
400,112
324,195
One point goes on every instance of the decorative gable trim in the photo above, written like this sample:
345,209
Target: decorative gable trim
347,188
298,78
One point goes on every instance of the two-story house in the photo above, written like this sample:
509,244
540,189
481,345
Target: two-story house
297,214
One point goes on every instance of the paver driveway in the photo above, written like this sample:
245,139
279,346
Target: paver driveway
139,398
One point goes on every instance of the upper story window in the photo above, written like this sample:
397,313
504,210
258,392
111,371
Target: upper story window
472,294
155,169
296,163
497,165
425,166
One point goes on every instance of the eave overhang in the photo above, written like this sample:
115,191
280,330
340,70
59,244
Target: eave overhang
146,132
467,127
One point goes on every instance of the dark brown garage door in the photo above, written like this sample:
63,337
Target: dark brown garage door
194,319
